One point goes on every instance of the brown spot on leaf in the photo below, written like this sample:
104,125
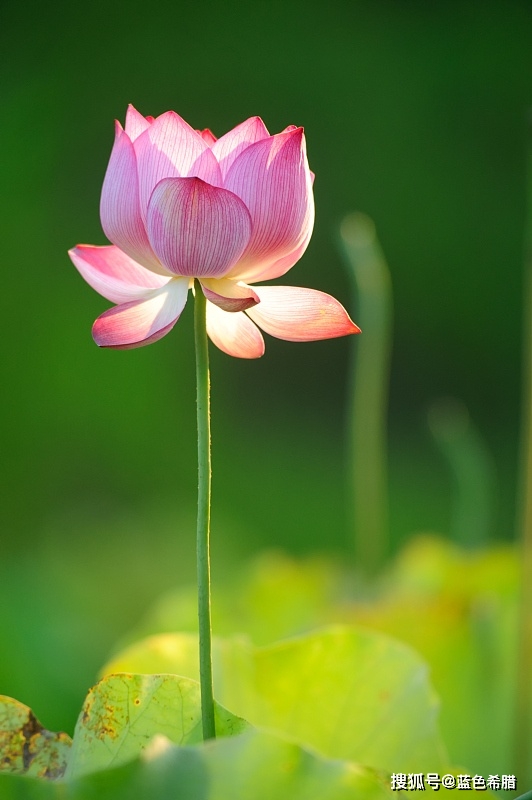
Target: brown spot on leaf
29,730
26,747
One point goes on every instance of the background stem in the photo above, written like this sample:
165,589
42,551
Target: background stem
368,391
204,512
474,481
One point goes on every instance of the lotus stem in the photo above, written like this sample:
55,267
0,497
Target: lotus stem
523,700
368,391
204,512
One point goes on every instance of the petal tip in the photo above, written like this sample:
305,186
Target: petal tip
208,136
295,132
350,326
298,314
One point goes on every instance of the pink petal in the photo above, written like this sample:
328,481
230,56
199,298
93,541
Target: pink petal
119,205
229,146
235,334
273,179
208,136
197,229
135,123
300,315
170,148
282,265
141,322
229,295
114,274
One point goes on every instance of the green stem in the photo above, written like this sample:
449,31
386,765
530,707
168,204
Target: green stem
204,512
368,391
523,710
472,471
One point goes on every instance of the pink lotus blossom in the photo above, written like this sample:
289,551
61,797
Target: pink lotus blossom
179,204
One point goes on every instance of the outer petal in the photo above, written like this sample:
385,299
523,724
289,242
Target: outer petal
300,315
229,295
170,148
114,274
141,322
229,146
119,206
197,229
273,179
235,334
135,123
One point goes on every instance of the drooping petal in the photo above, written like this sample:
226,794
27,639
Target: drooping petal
197,229
170,148
113,274
119,205
300,315
229,295
142,322
135,123
273,179
235,334
231,144
208,136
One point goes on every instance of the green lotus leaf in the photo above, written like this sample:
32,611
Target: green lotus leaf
26,747
456,607
348,693
123,713
253,765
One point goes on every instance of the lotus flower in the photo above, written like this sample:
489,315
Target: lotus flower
178,205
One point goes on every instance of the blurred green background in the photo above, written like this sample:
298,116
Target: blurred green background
414,113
